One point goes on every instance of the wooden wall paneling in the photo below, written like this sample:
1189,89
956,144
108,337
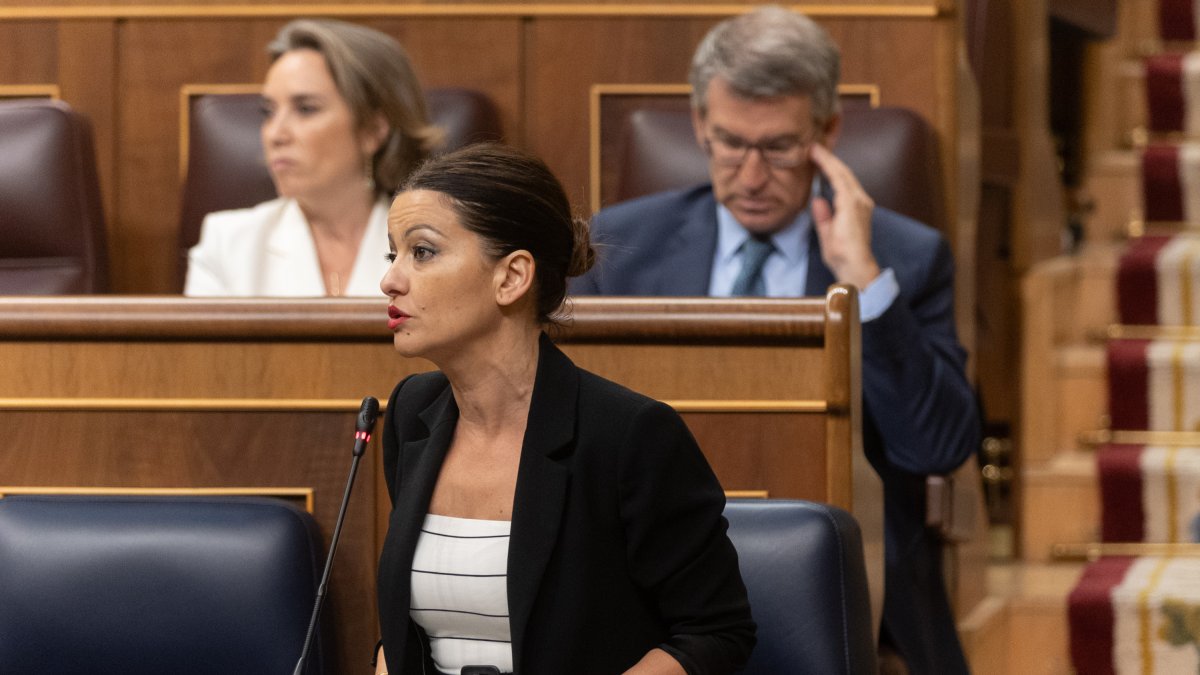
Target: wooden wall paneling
218,449
156,59
202,370
478,53
28,56
564,57
741,449
1038,204
87,57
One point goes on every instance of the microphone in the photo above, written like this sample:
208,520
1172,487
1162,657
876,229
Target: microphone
368,412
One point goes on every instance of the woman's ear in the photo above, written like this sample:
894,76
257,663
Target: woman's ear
514,277
373,134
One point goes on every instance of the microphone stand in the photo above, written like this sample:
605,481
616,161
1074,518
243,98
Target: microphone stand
362,436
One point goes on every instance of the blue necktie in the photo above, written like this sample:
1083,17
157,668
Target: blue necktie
750,280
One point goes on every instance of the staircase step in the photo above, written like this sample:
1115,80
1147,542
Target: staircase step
1060,503
1036,629
1066,301
1112,183
1135,615
1149,493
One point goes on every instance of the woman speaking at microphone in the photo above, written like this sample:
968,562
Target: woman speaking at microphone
544,520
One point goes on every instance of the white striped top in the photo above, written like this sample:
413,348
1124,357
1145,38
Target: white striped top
460,592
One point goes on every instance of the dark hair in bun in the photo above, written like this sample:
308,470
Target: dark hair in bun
512,200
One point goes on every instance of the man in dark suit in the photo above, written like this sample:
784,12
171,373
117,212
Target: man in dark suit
784,217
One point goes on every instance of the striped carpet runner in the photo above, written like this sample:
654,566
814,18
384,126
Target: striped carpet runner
1142,614
1158,490
1177,20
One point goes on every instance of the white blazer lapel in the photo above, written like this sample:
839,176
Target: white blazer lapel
370,265
291,266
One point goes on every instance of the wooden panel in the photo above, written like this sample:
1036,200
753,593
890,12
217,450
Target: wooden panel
566,56
744,451
130,392
28,56
87,53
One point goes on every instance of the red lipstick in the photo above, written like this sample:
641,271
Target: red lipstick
396,318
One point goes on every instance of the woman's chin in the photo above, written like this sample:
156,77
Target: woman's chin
406,346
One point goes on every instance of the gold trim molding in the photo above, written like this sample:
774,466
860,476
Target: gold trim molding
1093,550
1100,437
623,10
186,92
750,406
747,494
1131,332
347,405
304,494
50,91
181,404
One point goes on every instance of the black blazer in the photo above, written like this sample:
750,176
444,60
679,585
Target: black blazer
617,545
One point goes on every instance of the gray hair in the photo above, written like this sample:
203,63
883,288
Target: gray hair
373,74
771,51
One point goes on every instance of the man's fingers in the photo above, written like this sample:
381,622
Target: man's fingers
841,178
822,212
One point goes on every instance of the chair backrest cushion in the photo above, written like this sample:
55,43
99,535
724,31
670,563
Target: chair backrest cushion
892,151
803,567
225,167
141,585
51,218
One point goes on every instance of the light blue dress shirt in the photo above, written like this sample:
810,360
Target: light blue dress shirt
786,269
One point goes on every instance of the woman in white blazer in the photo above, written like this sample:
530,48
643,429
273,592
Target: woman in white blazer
344,122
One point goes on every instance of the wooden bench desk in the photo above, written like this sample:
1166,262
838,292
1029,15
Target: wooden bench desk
167,392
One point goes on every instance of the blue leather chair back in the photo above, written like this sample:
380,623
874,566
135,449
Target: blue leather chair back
803,567
142,585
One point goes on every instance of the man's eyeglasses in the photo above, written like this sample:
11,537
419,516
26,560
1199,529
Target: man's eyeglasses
730,151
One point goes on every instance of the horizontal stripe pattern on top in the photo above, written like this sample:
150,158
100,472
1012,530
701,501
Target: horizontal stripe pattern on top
460,592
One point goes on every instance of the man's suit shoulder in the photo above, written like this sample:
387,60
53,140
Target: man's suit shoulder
896,238
631,213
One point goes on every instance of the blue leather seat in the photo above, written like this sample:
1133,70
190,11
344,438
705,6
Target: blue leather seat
141,585
803,567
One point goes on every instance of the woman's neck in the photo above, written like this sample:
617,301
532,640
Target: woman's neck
340,217
493,384
337,224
